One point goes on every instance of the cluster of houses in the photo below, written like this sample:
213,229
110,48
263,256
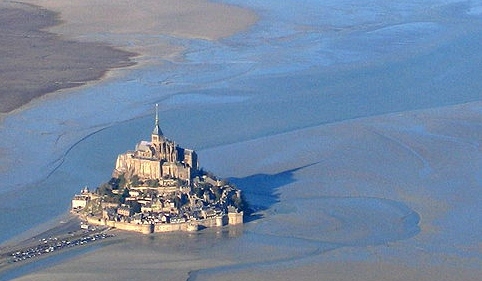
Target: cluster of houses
207,203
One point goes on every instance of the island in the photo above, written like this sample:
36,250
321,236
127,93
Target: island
159,187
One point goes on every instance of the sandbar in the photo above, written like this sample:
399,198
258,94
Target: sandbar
51,45
36,62
187,19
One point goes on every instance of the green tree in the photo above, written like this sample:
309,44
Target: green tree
113,198
124,195
136,206
217,193
198,191
184,199
135,181
114,183
104,189
122,181
153,182
177,202
239,202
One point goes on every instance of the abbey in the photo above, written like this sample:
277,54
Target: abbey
158,187
158,159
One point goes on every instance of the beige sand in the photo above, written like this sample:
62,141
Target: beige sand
38,62
35,62
140,26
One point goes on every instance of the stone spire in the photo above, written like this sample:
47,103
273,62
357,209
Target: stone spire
157,129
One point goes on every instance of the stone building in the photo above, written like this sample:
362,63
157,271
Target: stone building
125,210
80,200
159,158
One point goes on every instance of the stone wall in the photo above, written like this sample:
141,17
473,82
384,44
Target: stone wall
141,228
236,218
218,221
144,168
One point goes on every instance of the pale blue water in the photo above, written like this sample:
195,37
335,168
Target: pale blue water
305,63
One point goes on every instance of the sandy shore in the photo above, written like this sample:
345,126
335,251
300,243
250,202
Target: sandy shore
187,19
36,62
54,229
78,45
61,238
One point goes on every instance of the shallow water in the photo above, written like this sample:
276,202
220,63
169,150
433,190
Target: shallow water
305,64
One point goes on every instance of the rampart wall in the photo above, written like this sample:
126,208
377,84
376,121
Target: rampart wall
218,221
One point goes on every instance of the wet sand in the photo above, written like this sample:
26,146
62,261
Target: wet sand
35,62
60,230
150,28
203,19
60,44
389,197
52,45
365,199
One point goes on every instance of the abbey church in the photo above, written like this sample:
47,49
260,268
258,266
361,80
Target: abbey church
159,159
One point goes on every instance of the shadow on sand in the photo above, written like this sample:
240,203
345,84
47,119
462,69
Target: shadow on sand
261,190
363,220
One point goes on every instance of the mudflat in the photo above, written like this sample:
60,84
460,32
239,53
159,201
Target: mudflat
61,44
35,62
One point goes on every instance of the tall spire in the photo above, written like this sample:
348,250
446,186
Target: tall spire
157,129
157,114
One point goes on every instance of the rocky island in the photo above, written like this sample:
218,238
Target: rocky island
159,187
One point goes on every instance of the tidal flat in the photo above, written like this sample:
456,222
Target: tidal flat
37,62
354,130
